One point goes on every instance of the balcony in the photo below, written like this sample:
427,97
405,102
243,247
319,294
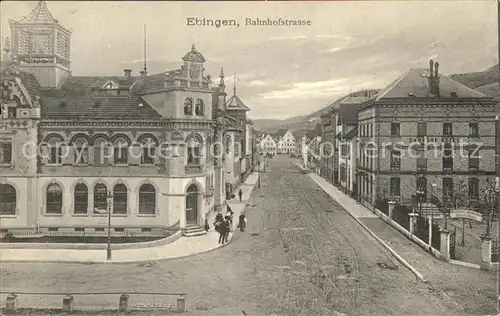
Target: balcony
194,168
396,167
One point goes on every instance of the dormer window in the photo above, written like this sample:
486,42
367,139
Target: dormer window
110,85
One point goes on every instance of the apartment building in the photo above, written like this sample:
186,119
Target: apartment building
425,131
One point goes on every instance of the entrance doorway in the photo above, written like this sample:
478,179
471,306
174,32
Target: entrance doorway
192,204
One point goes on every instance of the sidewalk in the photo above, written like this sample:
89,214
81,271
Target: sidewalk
184,247
458,284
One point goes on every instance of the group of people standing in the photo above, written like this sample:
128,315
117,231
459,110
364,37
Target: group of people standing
223,224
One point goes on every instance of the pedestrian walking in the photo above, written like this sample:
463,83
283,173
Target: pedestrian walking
206,225
221,231
240,194
242,222
227,229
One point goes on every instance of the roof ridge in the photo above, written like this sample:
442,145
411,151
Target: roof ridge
466,87
392,85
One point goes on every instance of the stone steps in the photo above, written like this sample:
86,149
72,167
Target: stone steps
193,230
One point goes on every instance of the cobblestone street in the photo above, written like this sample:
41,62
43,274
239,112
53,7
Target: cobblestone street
300,255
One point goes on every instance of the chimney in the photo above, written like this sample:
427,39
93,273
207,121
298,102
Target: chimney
127,73
143,73
433,78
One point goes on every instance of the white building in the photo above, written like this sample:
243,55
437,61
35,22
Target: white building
346,126
268,145
286,144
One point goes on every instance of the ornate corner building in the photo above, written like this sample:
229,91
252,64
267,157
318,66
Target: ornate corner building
73,148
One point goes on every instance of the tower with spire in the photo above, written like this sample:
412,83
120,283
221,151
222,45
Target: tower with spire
42,46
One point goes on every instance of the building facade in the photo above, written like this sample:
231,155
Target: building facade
74,148
268,145
429,132
286,144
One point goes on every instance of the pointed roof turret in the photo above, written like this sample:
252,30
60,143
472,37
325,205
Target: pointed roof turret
39,15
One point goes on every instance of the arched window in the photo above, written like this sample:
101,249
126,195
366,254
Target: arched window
81,147
55,146
101,151
147,199
188,106
148,151
120,199
100,199
7,199
54,199
194,145
199,107
81,199
120,151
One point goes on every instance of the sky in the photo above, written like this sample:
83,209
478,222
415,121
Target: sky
281,72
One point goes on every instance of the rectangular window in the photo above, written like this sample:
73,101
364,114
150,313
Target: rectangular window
12,112
395,129
395,160
473,189
447,129
119,230
447,158
421,129
447,189
421,159
79,229
6,153
148,156
99,229
193,155
474,158
55,157
395,187
121,155
473,129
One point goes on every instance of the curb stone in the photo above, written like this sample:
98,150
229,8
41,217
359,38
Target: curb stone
133,261
398,257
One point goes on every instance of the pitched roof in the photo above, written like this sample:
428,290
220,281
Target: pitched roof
151,84
234,103
415,82
75,100
348,110
352,133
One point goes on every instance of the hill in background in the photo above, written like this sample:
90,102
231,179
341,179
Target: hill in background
486,82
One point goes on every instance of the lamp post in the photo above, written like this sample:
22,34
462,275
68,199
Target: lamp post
108,251
434,185
488,206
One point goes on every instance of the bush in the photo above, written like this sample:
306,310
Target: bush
382,205
401,215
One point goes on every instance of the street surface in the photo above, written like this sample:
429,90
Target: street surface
300,255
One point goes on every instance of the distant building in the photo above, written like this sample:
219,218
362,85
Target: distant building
347,127
268,145
286,144
425,131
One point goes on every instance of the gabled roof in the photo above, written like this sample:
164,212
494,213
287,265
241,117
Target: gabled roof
75,100
415,83
234,103
348,111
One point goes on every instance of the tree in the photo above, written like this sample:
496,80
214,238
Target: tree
488,204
